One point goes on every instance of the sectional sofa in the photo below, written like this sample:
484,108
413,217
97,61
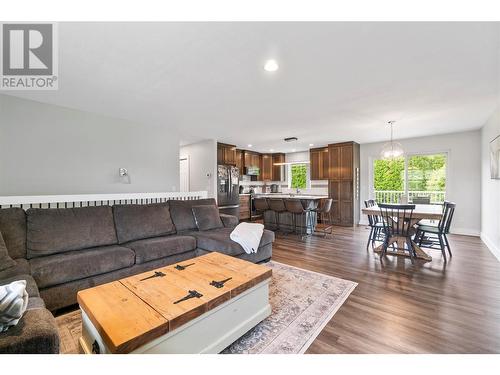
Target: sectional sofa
61,251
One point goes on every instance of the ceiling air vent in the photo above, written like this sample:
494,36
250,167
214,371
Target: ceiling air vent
291,139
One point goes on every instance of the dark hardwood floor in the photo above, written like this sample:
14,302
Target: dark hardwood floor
433,307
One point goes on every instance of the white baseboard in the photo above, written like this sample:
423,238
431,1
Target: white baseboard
363,221
465,231
494,249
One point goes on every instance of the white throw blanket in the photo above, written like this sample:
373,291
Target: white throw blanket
248,235
13,303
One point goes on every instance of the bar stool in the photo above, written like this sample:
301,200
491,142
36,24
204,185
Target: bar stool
261,206
324,212
278,206
295,207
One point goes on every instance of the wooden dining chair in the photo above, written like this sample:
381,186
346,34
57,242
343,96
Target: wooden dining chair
431,236
376,225
398,228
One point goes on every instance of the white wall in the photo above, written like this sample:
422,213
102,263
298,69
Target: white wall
463,183
202,162
47,149
490,189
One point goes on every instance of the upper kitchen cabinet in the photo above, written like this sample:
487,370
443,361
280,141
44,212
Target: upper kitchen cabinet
240,163
267,167
320,163
251,159
226,154
278,173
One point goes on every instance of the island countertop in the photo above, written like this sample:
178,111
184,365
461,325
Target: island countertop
289,196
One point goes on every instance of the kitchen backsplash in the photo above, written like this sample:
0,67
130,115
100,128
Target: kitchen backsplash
317,187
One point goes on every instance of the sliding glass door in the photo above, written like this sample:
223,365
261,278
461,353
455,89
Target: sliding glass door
421,177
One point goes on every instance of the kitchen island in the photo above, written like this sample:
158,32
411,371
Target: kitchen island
286,219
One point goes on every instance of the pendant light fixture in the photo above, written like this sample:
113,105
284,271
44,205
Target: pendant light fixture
392,150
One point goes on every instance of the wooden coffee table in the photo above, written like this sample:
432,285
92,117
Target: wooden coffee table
201,305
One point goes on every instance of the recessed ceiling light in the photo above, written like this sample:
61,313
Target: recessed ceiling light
293,149
311,144
249,145
271,150
271,66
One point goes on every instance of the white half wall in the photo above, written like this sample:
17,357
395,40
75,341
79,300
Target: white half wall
490,189
202,158
463,182
48,149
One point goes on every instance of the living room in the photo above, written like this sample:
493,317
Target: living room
183,186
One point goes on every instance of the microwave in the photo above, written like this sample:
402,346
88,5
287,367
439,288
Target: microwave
252,171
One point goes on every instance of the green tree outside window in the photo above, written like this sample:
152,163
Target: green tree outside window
298,176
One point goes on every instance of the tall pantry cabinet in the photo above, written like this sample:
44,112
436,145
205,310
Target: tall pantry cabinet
343,182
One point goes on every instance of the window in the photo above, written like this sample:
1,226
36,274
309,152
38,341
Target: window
420,176
427,177
298,176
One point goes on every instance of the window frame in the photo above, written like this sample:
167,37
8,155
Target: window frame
405,182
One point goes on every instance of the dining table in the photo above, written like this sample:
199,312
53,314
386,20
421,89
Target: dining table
421,212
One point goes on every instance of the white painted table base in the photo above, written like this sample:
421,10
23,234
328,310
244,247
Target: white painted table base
211,332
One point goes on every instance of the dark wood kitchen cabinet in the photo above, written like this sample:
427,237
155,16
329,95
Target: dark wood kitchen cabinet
240,163
343,184
278,173
226,154
267,167
252,159
319,163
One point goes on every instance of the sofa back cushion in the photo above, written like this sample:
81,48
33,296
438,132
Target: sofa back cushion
54,230
138,221
207,217
13,228
182,212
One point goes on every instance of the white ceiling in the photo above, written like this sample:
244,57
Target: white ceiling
336,82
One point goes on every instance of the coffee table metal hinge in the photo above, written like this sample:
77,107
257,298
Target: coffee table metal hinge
192,294
156,274
182,268
220,284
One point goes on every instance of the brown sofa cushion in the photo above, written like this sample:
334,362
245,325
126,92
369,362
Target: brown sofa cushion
52,230
138,221
13,228
62,268
229,221
161,247
207,217
35,303
218,240
182,214
6,261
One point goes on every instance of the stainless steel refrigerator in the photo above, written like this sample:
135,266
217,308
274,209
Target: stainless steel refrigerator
228,196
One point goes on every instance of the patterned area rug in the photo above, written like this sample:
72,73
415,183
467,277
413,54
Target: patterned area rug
303,302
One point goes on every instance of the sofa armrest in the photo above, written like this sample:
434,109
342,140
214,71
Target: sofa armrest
229,221
36,333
